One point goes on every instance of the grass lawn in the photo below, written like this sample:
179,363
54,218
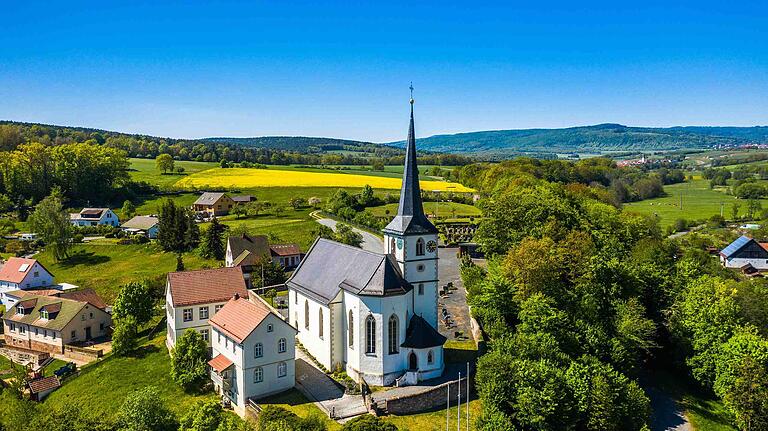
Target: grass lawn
146,170
444,209
254,178
699,202
102,386
105,268
53,366
291,227
295,401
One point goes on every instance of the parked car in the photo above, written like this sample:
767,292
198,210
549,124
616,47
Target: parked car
66,370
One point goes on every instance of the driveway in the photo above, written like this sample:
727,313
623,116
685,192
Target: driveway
325,393
371,242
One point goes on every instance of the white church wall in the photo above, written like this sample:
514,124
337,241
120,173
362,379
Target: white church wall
309,334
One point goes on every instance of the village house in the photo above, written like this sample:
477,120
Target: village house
193,297
21,274
83,295
745,251
145,225
215,204
94,217
253,351
373,314
247,252
48,323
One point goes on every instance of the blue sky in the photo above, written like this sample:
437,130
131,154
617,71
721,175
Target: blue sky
342,69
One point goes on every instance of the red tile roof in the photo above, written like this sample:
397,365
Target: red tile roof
206,286
84,295
44,384
10,271
220,363
239,317
285,249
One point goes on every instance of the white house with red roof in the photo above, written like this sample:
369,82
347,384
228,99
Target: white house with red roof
193,297
23,274
253,351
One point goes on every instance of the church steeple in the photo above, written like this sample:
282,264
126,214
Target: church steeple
410,216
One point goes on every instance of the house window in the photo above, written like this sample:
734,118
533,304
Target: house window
45,333
44,314
420,247
392,246
282,369
37,274
187,316
258,375
204,333
281,346
22,329
430,357
370,335
218,337
217,308
20,310
11,327
306,314
421,288
258,350
73,334
351,331
296,298
420,267
91,316
203,312
320,323
393,335
36,333
82,317
234,346
101,326
270,328
53,335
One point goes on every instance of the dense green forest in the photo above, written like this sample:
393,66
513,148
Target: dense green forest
268,150
581,300
602,137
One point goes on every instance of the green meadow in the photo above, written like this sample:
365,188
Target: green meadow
699,202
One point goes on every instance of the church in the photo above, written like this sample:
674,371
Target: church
375,315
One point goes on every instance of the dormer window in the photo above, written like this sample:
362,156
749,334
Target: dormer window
20,309
44,314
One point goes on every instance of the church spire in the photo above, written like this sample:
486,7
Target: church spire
410,213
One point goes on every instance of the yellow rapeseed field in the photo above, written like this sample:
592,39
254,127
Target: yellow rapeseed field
251,178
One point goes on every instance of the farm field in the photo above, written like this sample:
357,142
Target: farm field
146,170
106,267
103,386
699,203
254,178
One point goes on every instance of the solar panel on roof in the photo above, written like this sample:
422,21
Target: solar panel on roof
736,245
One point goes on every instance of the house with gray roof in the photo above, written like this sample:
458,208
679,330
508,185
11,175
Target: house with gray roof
214,204
375,314
745,251
147,225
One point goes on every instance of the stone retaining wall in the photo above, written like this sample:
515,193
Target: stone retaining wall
81,354
430,399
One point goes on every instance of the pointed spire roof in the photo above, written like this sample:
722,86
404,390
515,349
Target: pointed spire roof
410,216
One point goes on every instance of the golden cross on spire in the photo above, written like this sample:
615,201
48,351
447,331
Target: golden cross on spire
411,88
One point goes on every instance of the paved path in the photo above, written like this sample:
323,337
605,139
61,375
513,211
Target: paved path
667,415
371,242
456,301
326,393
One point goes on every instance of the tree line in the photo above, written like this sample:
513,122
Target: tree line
580,298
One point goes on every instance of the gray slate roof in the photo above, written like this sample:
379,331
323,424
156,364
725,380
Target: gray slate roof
410,216
421,335
141,222
330,266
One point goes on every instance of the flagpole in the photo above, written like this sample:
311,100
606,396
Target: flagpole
447,407
467,396
458,405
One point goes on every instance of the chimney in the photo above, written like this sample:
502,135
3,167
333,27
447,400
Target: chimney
236,297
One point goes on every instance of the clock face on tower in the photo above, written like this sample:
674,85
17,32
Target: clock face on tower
399,244
431,246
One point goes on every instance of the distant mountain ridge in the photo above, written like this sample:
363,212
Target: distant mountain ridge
295,143
597,138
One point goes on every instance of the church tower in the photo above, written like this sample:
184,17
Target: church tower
412,239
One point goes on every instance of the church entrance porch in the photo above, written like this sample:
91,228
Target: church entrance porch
413,362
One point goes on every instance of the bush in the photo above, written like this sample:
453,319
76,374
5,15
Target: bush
189,360
77,238
680,225
368,423
143,410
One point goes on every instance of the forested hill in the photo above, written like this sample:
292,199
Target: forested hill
602,137
302,143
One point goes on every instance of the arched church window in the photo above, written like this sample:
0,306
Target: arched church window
392,246
320,322
351,330
430,357
370,335
420,247
393,335
306,314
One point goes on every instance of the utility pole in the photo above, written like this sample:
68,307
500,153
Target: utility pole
721,208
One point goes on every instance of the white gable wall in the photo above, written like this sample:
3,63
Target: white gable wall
175,318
